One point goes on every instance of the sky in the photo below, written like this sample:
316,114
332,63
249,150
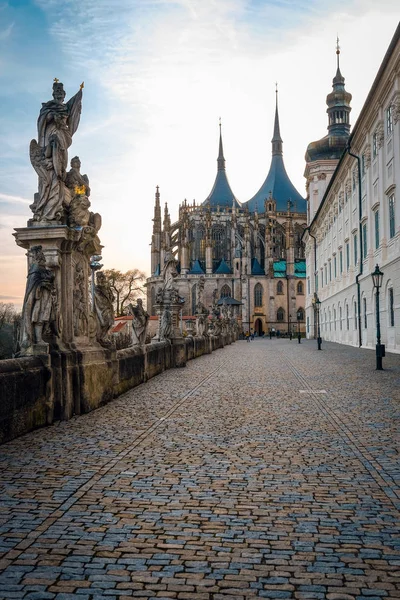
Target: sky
158,76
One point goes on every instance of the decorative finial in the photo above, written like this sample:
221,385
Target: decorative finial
337,50
56,80
82,85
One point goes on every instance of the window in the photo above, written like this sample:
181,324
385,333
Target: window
391,307
326,275
258,295
376,221
322,278
392,227
353,180
365,313
280,315
355,315
375,145
363,165
279,287
226,291
334,319
300,314
330,271
340,318
335,266
300,288
347,317
347,256
389,120
364,241
355,243
308,324
308,286
316,282
340,261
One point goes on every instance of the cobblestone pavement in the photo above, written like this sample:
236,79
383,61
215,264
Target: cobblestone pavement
264,470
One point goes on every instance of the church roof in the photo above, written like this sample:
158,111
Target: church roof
196,269
256,268
229,300
223,268
277,183
299,268
221,194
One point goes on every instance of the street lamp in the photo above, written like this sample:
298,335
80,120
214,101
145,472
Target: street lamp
299,315
94,266
377,277
317,305
289,323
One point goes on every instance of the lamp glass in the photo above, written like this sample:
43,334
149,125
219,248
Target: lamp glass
377,277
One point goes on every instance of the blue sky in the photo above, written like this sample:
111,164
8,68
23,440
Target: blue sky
158,75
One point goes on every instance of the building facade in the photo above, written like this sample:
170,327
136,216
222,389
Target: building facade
250,254
353,182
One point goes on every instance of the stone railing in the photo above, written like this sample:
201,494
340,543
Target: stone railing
39,390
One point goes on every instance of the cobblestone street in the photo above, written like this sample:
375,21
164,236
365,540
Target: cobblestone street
265,470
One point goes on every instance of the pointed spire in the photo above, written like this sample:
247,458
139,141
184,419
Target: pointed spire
221,159
338,102
276,140
337,51
157,213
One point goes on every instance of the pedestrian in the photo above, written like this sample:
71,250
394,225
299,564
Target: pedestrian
247,336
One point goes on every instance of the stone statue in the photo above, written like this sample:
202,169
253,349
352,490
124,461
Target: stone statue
77,198
40,308
57,123
103,308
139,322
79,305
169,272
200,308
166,325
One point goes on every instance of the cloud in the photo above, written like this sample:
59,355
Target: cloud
11,198
6,33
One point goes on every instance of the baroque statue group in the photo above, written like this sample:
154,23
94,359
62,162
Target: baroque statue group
59,310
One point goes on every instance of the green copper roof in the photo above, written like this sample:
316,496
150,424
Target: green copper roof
221,193
196,269
256,268
280,268
223,269
277,183
300,268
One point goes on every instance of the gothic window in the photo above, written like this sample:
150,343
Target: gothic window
258,295
279,287
153,300
221,244
300,314
226,292
194,294
199,244
280,315
300,288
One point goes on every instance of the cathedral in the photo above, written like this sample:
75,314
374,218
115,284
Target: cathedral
250,254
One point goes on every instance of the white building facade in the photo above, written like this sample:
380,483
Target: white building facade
354,215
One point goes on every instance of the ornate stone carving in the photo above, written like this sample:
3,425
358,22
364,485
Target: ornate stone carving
140,322
166,328
77,199
200,308
57,123
80,302
380,134
103,309
396,107
40,309
367,157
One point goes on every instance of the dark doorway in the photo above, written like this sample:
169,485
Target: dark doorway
258,327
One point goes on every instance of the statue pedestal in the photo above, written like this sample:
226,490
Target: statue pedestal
67,251
173,332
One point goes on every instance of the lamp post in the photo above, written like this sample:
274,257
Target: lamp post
299,315
94,266
317,305
377,277
289,324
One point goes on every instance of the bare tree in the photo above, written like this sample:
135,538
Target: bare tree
7,313
125,286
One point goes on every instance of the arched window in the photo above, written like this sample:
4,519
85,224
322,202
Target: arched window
194,294
199,247
300,314
258,295
153,300
226,291
279,287
300,288
280,315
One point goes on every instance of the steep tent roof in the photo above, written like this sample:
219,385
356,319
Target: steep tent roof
256,268
277,183
223,268
221,193
196,269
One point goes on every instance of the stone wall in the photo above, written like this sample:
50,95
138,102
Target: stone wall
37,391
